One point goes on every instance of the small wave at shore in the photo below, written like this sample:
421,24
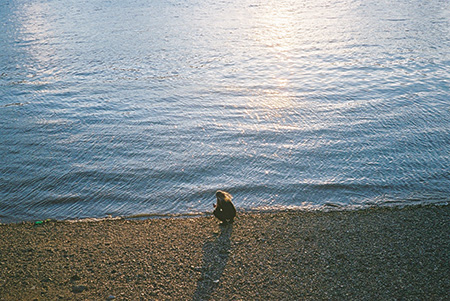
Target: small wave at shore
328,207
192,200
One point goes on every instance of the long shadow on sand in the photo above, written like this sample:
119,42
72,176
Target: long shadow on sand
215,257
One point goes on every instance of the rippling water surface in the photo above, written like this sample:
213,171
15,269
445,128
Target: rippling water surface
147,107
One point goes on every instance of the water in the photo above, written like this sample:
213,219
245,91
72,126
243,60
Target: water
148,107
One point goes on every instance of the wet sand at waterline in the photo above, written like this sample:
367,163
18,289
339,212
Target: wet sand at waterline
369,254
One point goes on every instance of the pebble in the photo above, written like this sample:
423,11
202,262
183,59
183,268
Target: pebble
196,268
78,289
75,278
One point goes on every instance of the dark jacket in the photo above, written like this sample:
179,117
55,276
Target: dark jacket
225,211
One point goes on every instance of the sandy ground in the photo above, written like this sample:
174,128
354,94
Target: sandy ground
358,255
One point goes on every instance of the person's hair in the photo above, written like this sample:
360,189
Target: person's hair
223,196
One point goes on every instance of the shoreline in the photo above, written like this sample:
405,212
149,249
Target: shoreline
201,214
376,253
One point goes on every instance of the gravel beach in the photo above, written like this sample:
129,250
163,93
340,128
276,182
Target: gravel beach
369,254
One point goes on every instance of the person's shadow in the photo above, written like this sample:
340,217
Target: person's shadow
215,258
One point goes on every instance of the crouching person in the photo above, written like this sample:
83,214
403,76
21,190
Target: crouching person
224,209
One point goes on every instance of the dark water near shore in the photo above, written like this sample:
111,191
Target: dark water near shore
147,107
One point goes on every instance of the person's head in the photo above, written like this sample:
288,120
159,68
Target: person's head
223,196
